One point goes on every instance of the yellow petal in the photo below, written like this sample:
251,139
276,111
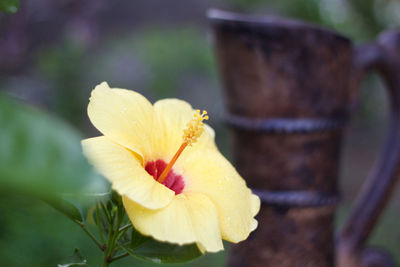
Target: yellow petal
204,216
209,173
122,115
125,172
170,119
187,219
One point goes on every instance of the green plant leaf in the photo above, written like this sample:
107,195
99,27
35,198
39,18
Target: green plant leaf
9,6
66,207
75,260
137,239
41,155
148,249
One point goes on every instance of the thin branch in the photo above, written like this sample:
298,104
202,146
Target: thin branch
105,211
125,227
90,234
98,222
116,232
123,255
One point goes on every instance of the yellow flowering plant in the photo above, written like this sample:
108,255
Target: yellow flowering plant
179,193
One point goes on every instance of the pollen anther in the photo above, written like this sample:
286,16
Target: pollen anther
194,129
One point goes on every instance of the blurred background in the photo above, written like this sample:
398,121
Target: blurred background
53,53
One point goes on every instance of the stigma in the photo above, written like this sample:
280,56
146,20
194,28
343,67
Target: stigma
192,132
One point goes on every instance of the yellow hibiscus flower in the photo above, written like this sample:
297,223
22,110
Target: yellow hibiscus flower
178,190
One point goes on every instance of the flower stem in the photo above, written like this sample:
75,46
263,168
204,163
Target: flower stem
98,222
106,263
89,234
115,232
120,256
109,221
105,212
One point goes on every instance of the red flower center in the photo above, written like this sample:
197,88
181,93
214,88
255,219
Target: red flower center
173,181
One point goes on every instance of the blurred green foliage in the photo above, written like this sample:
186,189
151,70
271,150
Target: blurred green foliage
63,67
39,154
171,55
9,6
155,60
357,19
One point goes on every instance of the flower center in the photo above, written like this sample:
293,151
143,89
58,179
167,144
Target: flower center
195,128
173,181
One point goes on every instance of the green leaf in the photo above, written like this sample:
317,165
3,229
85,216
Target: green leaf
137,239
148,249
9,6
73,264
116,199
78,208
40,154
66,207
75,260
